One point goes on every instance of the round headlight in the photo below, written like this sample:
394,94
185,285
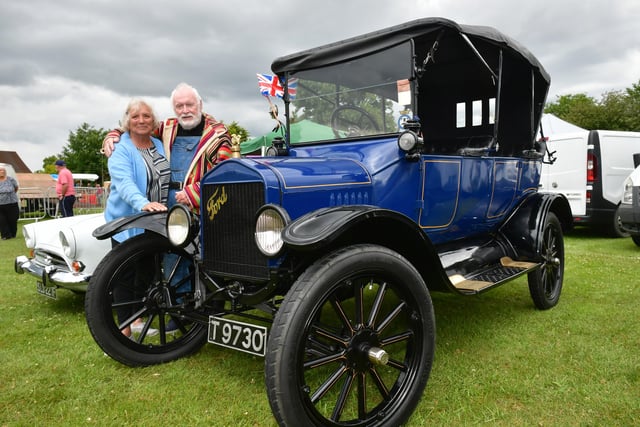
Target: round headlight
269,225
179,226
68,242
407,141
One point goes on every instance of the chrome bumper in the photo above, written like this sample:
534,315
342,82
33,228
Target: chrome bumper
52,276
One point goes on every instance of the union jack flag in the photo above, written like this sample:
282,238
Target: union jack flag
270,86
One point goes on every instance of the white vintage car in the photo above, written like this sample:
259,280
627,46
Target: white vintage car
63,253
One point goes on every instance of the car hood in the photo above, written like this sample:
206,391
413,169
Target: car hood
47,232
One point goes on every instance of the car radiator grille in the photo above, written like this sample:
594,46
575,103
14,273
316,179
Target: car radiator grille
228,218
46,259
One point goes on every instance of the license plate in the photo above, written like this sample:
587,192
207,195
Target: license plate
47,291
241,336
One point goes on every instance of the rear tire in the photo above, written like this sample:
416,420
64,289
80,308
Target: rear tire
545,284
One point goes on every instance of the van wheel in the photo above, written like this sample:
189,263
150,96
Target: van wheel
636,240
615,229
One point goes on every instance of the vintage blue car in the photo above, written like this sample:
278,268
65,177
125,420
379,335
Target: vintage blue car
414,170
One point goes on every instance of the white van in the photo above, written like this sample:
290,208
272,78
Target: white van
589,170
568,173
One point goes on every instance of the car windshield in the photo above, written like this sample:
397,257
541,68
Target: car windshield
366,96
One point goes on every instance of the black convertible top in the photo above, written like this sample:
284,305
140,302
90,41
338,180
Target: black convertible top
364,44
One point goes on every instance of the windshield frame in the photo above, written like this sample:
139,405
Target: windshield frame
375,83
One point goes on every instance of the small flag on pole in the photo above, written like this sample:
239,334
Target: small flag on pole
270,86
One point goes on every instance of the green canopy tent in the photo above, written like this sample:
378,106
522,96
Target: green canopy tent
302,131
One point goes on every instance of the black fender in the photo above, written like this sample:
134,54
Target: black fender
151,221
524,228
324,229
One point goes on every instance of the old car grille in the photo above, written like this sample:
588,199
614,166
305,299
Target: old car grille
45,259
228,218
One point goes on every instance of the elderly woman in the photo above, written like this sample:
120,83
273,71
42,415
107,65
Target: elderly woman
139,169
140,176
9,209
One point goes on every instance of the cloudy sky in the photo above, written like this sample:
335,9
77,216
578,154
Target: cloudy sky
66,62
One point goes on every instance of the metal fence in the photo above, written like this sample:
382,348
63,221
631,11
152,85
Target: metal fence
38,203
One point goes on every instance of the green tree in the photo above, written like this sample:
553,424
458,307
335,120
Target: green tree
82,153
579,109
616,110
236,129
48,164
633,106
613,112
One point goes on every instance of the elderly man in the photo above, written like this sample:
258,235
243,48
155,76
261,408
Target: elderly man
194,142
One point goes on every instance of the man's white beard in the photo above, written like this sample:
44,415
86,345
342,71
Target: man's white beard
191,123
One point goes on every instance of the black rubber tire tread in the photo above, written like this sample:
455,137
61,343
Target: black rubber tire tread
545,284
289,404
615,227
100,318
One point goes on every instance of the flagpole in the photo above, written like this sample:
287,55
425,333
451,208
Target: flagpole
273,112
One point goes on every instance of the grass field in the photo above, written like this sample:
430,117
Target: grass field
498,360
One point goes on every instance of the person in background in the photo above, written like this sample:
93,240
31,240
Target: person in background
65,189
9,208
99,194
139,182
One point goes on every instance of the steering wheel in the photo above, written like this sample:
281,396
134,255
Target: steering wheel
349,120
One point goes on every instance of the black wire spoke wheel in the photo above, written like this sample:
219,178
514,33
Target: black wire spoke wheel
352,343
545,284
137,300
349,120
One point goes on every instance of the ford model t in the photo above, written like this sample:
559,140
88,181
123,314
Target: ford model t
408,165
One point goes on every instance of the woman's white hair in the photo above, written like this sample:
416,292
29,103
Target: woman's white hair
134,105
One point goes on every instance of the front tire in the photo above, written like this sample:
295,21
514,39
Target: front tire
615,227
545,284
326,362
131,278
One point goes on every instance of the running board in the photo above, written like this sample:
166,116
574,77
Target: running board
492,276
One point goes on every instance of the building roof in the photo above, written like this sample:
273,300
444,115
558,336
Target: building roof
39,180
12,158
36,185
